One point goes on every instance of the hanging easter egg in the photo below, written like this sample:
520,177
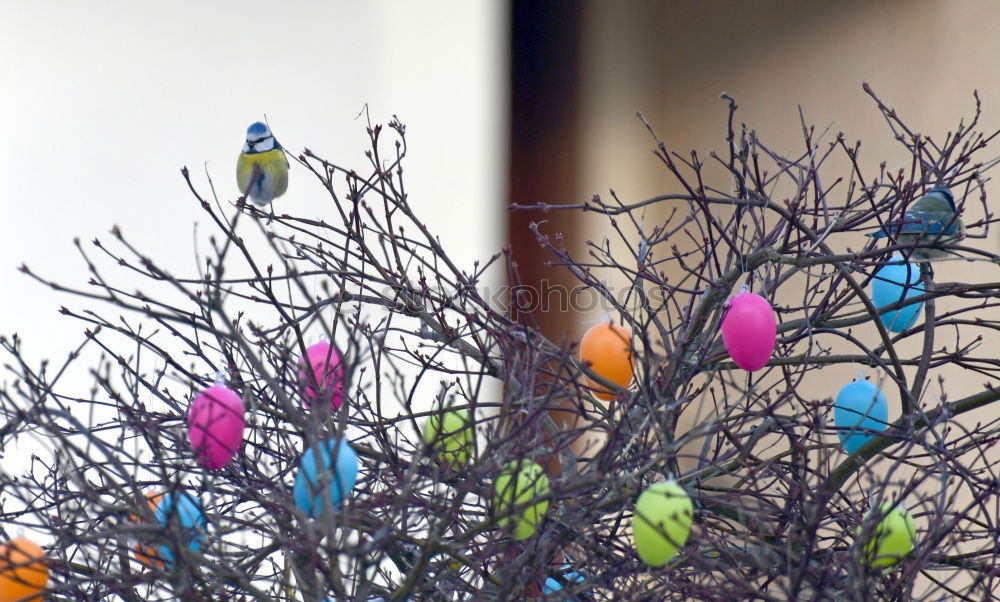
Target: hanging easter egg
215,426
860,412
148,555
520,482
749,330
322,367
315,476
894,282
181,516
451,436
662,522
553,585
892,538
24,571
607,348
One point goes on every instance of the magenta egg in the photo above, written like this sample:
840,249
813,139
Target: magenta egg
327,373
749,331
215,426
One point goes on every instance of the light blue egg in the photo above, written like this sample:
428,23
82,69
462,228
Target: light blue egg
859,405
552,585
308,497
188,514
894,282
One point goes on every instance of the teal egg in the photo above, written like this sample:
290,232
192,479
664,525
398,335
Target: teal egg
859,413
340,480
894,282
186,511
552,585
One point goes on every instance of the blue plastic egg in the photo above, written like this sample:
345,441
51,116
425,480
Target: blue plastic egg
894,282
188,515
859,410
553,585
308,495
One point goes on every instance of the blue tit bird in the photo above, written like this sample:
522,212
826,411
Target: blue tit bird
262,169
929,224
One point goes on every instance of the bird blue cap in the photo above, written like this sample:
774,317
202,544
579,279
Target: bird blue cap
946,193
257,131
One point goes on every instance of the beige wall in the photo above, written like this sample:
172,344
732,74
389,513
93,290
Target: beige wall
672,60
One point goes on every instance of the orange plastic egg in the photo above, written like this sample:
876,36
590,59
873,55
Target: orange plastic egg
607,348
147,554
24,571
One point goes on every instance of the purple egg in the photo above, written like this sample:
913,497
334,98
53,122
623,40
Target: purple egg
215,426
327,372
749,331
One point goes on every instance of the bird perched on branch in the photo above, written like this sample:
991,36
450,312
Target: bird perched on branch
262,169
929,224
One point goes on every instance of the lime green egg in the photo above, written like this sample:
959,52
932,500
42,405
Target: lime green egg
662,522
451,436
892,538
520,482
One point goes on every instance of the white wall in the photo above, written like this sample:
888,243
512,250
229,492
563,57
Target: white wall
104,102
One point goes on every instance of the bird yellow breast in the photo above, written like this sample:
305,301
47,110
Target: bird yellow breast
262,176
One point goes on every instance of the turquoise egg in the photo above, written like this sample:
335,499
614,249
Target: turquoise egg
553,585
308,495
184,510
894,282
859,407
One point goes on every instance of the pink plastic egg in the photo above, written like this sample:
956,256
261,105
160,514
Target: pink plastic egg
215,426
749,331
327,372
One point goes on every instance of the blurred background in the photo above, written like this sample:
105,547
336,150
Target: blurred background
524,102
579,77
105,102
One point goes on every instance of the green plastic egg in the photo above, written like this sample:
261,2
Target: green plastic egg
662,522
892,538
519,482
451,436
